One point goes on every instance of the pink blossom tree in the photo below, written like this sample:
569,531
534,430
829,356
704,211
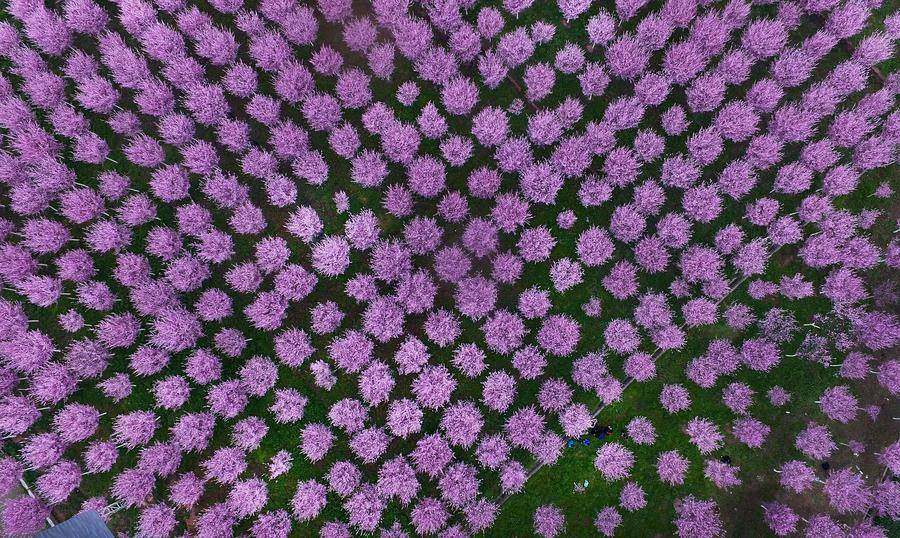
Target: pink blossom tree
672,467
847,491
780,518
548,521
23,516
614,461
697,518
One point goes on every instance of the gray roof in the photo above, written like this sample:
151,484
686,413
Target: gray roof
84,525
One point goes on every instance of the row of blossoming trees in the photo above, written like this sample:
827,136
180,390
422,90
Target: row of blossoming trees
361,267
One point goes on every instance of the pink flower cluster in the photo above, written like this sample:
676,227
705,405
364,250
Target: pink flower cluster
218,223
